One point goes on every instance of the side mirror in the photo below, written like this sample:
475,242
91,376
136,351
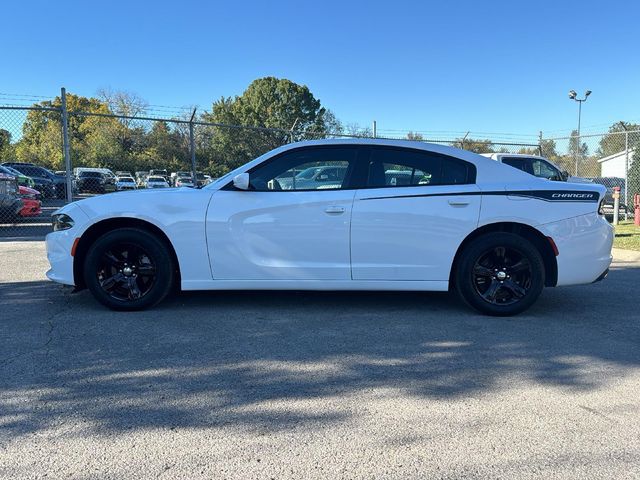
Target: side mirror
565,175
241,181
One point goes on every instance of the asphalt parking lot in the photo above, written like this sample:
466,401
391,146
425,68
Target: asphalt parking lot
317,385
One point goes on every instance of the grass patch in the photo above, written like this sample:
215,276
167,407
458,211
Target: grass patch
627,236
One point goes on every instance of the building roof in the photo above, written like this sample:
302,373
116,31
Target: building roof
616,155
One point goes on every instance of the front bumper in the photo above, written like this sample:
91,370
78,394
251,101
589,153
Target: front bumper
584,248
59,245
602,276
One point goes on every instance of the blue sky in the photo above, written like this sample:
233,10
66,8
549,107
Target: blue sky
491,66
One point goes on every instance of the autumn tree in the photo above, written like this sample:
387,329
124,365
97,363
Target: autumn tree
41,140
474,145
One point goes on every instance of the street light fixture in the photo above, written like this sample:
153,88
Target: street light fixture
574,96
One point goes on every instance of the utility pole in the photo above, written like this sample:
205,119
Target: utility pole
464,138
192,145
65,143
291,130
540,144
375,129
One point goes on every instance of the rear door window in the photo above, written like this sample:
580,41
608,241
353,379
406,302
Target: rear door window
397,167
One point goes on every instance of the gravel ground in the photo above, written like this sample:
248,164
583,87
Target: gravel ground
317,385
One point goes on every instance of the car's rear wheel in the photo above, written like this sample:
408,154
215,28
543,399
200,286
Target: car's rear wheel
500,274
129,269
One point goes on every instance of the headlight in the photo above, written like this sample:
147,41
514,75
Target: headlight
61,221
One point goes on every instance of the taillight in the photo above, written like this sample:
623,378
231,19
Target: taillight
601,207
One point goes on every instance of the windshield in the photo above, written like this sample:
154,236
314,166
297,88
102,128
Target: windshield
90,174
307,173
126,179
7,171
156,179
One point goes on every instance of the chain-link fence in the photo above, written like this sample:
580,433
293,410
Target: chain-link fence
108,152
604,158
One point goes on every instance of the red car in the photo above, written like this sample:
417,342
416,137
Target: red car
31,206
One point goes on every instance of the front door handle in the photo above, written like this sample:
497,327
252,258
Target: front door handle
459,203
334,210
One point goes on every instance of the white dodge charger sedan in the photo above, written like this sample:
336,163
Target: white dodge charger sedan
387,215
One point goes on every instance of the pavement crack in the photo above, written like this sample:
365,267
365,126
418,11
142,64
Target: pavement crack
597,413
51,326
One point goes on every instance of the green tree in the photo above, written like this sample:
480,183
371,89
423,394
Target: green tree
166,147
5,138
549,149
633,177
6,148
288,108
614,141
578,161
41,140
574,149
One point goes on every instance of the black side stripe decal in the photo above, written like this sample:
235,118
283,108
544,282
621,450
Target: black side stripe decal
546,195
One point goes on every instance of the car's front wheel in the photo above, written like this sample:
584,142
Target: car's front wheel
500,274
129,269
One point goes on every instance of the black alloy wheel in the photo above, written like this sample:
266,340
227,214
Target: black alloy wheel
126,272
502,276
129,269
499,274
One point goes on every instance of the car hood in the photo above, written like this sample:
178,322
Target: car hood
41,179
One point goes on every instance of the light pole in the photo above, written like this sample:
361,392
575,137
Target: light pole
574,96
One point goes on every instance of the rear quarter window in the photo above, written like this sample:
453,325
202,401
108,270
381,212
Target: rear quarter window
397,167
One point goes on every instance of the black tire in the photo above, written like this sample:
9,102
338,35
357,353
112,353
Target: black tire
500,274
129,269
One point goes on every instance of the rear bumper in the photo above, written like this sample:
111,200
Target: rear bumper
584,248
30,208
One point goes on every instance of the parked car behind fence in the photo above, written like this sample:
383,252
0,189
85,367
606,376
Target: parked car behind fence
125,183
10,204
45,181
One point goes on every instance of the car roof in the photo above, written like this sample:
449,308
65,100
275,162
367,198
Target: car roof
506,154
488,169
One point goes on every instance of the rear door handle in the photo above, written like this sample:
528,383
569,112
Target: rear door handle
334,210
459,203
